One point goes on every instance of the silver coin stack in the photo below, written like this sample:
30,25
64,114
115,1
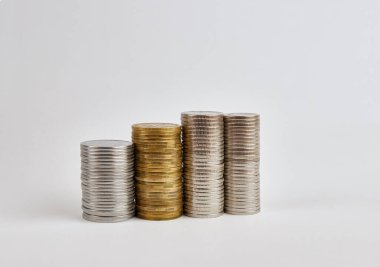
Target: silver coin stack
203,157
242,160
107,180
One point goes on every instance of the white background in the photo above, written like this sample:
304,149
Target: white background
79,70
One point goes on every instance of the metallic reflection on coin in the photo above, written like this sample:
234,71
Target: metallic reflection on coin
242,159
107,180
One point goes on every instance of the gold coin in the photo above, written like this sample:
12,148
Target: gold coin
160,216
160,202
158,172
156,201
156,127
160,190
140,175
164,158
148,200
159,186
161,149
158,169
173,208
159,179
161,194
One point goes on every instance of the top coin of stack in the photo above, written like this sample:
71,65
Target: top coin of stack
107,180
203,144
242,159
158,153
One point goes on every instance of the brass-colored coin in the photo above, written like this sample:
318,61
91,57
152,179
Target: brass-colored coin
156,142
168,185
158,172
159,150
151,156
158,189
146,201
173,208
149,201
173,132
158,168
159,195
149,175
159,216
156,127
156,161
159,163
157,134
159,202
159,180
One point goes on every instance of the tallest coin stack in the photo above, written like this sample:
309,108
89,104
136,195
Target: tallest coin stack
203,146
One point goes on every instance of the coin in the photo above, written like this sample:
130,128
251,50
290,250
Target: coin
107,172
159,216
241,166
158,153
203,160
106,219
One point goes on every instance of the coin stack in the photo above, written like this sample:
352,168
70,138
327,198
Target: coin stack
107,180
242,159
158,153
203,146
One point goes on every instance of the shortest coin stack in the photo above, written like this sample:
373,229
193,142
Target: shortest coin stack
107,180
241,166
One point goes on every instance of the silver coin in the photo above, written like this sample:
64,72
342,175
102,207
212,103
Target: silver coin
122,187
199,194
204,202
120,209
107,203
196,195
204,205
105,144
105,219
203,186
107,212
106,156
203,210
129,161
203,215
107,180
127,182
202,114
203,160
242,161
128,203
107,195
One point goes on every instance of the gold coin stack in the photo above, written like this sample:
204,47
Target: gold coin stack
158,163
